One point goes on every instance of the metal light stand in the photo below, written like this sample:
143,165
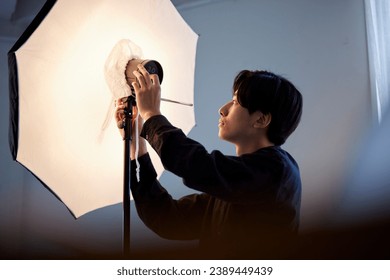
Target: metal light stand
127,175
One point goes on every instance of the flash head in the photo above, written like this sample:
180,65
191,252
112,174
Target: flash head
152,66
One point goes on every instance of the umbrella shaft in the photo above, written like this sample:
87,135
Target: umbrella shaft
177,102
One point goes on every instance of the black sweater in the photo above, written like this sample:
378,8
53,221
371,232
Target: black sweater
248,206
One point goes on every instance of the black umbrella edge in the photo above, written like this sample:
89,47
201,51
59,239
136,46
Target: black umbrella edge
13,132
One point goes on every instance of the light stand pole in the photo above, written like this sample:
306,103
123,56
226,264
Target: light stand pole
127,175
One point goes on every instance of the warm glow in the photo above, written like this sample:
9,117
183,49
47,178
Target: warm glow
64,96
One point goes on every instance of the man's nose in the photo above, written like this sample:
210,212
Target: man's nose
222,111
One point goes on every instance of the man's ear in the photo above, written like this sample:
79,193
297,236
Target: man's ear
262,120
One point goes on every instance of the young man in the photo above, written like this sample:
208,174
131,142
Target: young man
248,205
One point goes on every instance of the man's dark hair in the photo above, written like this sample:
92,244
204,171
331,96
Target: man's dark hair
270,94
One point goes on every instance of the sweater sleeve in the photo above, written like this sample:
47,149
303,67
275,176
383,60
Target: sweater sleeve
231,178
169,218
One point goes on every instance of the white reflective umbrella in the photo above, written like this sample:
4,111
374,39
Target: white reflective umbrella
59,96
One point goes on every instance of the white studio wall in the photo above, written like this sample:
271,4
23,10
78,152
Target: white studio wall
319,45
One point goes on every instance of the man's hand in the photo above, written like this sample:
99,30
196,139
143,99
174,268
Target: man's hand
120,108
148,93
121,105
